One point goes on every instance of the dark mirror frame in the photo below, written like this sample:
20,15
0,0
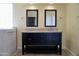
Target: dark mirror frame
27,16
55,17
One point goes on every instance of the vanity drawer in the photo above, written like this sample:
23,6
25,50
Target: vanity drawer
41,38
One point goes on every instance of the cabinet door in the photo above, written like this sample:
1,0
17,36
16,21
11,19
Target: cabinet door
11,36
52,38
9,41
1,41
4,42
34,38
25,37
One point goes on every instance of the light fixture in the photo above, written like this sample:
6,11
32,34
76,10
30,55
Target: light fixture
50,3
32,7
31,3
50,7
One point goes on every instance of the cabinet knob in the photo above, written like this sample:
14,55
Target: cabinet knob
29,39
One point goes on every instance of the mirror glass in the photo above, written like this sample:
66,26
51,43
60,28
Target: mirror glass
32,18
50,18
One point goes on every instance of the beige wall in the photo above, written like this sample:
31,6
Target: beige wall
72,28
19,17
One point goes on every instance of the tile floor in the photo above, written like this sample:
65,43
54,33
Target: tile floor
64,53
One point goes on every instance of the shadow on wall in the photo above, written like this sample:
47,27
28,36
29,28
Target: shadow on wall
68,40
68,43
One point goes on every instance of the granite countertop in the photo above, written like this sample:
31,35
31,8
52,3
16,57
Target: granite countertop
41,30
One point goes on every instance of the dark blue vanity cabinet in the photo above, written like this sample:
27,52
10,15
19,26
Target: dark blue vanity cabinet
42,42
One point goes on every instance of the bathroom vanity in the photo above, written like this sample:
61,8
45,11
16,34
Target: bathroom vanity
42,42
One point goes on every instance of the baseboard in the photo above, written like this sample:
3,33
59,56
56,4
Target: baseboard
71,52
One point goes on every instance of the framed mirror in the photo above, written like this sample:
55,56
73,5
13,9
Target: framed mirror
50,18
32,18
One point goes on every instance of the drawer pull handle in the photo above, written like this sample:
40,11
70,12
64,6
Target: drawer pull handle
29,39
